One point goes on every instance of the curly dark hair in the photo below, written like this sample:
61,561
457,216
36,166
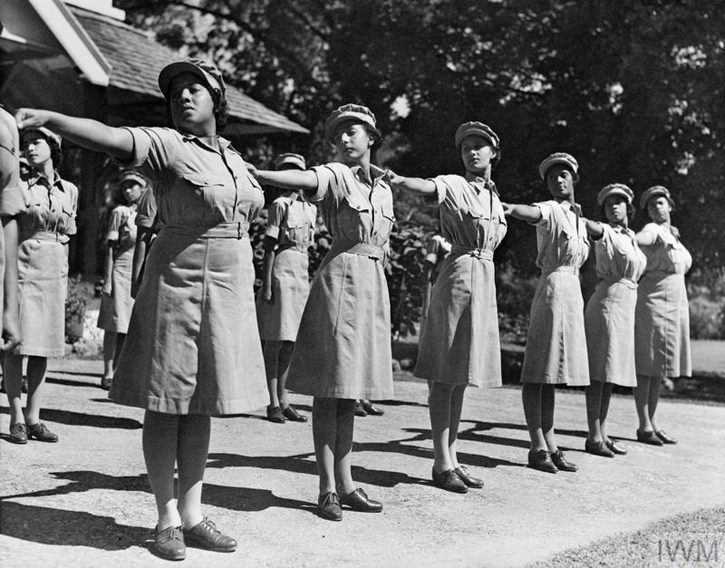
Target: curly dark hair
56,153
374,134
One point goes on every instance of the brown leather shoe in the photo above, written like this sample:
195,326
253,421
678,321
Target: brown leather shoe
665,438
360,409
328,506
41,433
206,535
169,543
291,414
275,414
18,433
371,409
598,449
469,480
648,437
560,462
450,481
541,460
614,446
359,501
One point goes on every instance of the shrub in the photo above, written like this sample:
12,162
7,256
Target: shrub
80,293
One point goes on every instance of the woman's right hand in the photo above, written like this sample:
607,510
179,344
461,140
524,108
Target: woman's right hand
31,118
107,287
393,178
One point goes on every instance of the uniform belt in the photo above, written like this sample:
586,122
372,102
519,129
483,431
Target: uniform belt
484,254
362,249
237,230
613,280
566,269
50,236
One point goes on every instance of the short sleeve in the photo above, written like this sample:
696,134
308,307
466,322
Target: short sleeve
11,201
447,186
326,177
72,191
275,217
114,224
546,215
153,148
146,210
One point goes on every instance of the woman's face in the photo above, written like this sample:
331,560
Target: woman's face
477,153
560,181
36,149
615,208
658,209
191,103
131,191
352,141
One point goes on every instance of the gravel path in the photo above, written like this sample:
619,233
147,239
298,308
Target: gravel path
85,501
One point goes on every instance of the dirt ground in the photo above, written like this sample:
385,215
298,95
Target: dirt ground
85,501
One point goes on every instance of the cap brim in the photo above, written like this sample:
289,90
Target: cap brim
175,69
351,117
475,132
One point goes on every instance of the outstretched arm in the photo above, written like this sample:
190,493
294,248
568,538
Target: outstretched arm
85,132
529,213
594,228
286,179
414,185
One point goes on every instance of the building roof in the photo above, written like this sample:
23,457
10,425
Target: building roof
136,60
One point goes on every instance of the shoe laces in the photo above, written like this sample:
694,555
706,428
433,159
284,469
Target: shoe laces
331,499
209,525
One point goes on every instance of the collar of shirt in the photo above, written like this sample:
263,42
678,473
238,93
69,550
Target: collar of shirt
40,179
569,206
621,229
361,174
224,144
479,182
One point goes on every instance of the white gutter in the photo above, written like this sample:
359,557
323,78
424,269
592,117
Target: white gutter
74,39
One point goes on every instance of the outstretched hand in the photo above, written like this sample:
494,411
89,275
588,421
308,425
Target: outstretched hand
507,208
393,178
252,169
30,118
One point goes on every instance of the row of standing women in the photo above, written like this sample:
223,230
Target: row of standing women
189,355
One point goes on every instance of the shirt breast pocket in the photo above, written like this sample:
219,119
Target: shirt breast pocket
209,195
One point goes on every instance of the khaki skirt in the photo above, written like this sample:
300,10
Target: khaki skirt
193,345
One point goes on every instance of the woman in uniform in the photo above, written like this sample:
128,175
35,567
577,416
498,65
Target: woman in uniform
662,324
343,347
555,345
609,315
45,227
189,353
285,286
116,301
460,342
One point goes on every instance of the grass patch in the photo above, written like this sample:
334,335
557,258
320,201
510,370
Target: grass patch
656,544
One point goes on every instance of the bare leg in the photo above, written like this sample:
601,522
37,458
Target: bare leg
548,394
594,397
160,439
343,446
13,369
109,353
641,401
271,354
324,434
531,395
37,367
456,409
283,358
440,398
191,454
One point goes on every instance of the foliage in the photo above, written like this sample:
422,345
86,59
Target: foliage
706,291
633,89
405,271
80,293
